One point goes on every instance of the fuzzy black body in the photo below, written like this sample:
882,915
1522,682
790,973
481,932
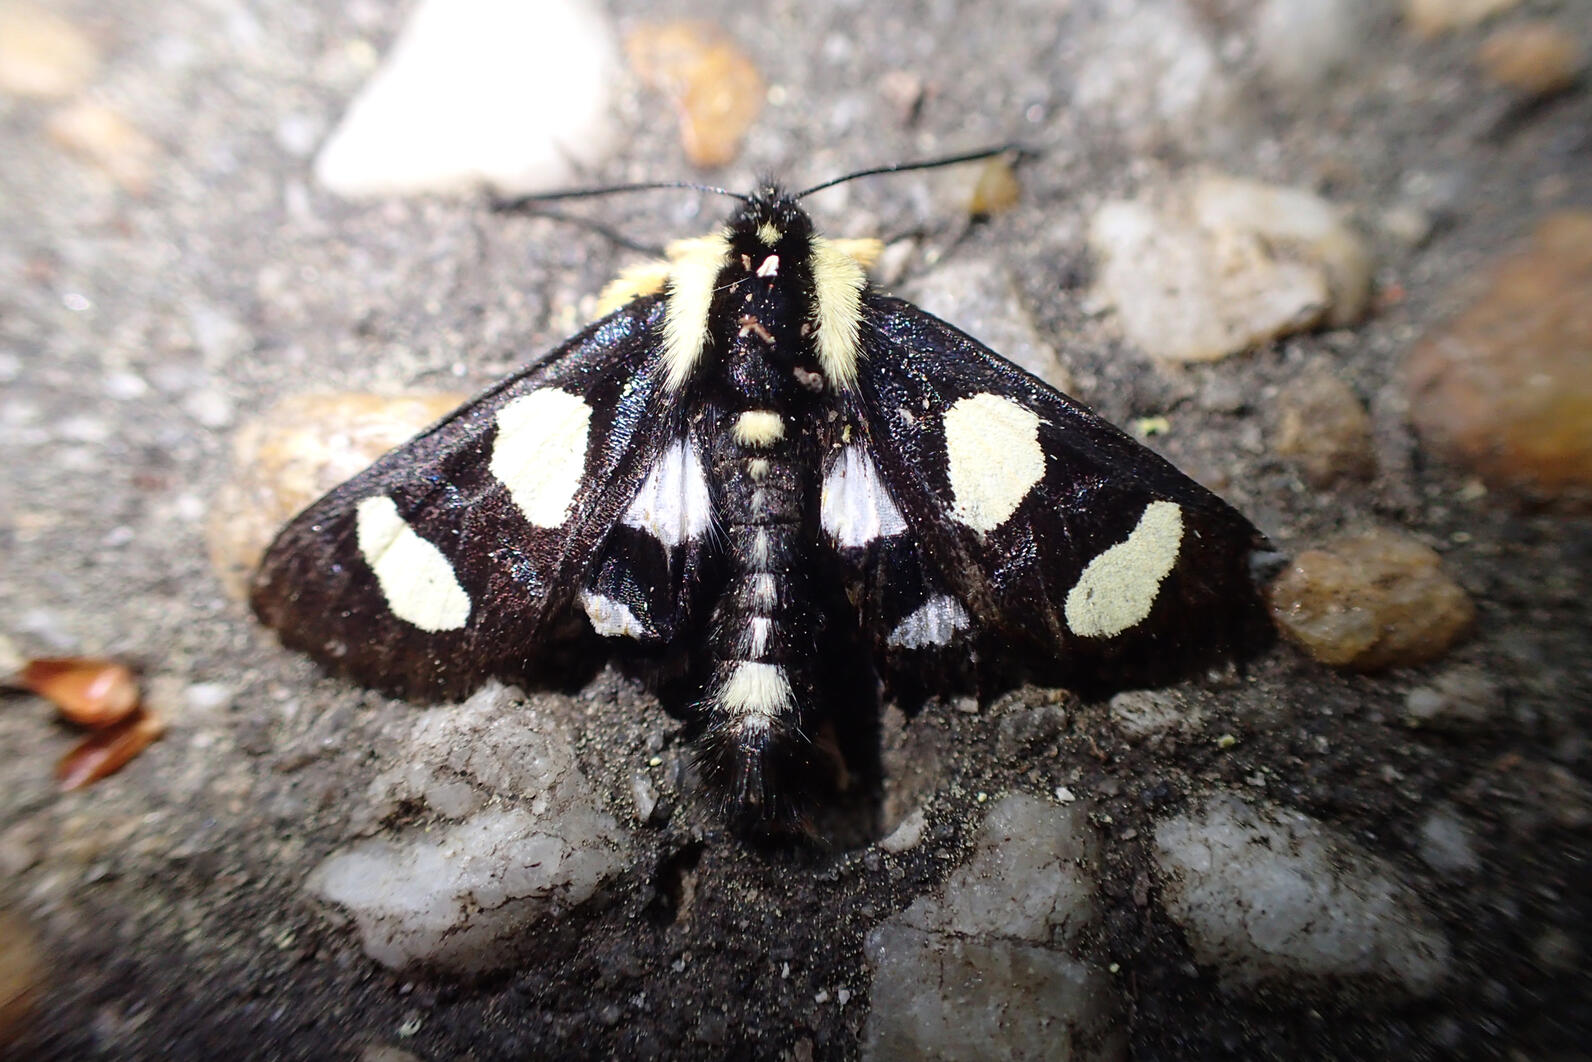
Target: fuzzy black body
792,481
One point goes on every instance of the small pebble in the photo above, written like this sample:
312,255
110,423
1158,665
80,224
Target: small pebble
23,975
1428,18
1371,601
1458,698
1218,264
1538,57
42,54
1504,387
210,408
1323,426
715,87
105,138
644,796
1445,844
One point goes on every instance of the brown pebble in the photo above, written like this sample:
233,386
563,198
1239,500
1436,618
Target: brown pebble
21,977
1428,18
1538,57
997,188
293,453
715,88
1371,601
1505,387
1323,426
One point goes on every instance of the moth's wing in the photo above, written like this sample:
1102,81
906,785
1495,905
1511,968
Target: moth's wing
1048,526
454,556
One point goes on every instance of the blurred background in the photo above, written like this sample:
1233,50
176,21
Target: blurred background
1332,257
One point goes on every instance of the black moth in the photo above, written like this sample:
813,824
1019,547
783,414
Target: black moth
786,485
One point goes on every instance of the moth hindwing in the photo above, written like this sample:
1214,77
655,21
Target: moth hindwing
790,479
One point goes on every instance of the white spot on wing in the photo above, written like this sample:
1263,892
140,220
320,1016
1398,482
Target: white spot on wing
540,453
855,508
935,622
610,618
414,576
1118,588
993,458
673,503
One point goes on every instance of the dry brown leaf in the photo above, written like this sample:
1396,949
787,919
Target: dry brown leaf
89,692
105,752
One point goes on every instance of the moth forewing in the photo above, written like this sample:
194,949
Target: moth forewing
784,477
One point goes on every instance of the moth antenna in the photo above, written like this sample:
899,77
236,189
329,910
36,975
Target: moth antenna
607,232
525,202
1017,150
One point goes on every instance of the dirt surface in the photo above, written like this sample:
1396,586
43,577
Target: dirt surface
167,902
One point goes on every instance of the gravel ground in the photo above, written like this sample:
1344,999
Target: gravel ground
163,287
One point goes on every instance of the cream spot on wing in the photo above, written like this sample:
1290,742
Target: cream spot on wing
1118,588
414,576
993,458
610,618
759,427
540,453
756,689
935,622
838,281
673,503
694,270
854,506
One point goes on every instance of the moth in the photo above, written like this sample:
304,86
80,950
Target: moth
788,484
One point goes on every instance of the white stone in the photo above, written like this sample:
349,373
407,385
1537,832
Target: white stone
1142,714
528,839
984,970
1301,43
1218,264
498,92
907,834
1265,892
1445,843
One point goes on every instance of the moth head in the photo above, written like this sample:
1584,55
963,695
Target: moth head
770,231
